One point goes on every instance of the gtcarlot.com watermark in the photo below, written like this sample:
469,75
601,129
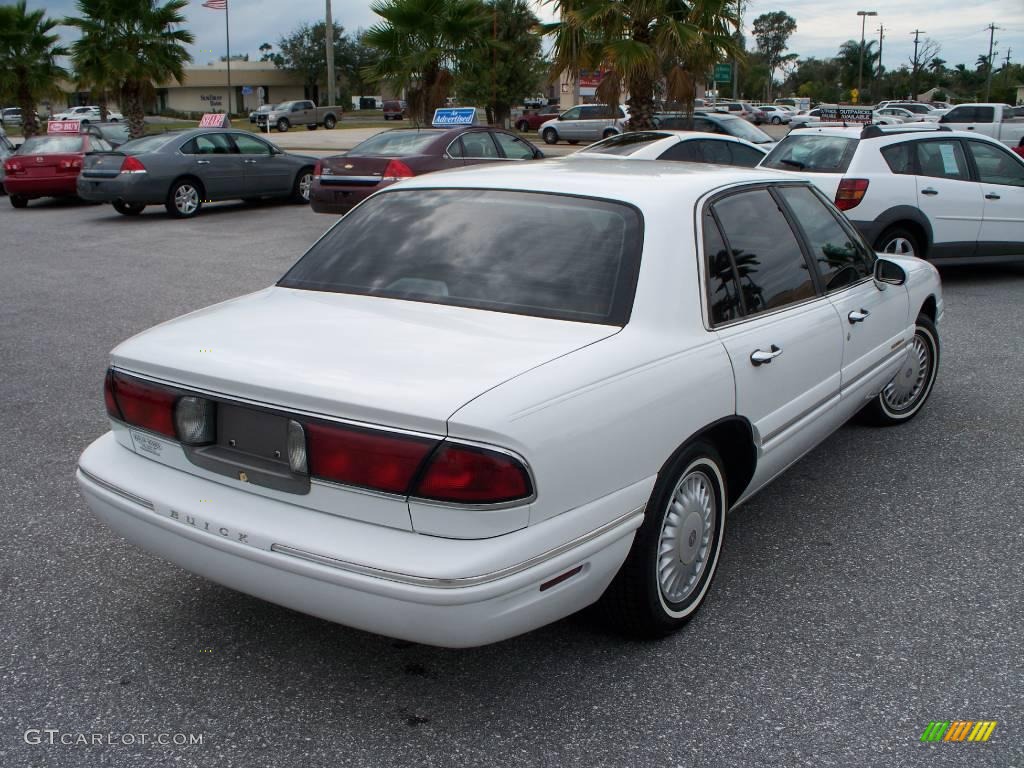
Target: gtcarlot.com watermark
88,739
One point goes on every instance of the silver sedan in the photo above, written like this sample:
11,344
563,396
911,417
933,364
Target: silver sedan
182,170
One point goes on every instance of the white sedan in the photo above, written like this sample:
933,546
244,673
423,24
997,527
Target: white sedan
686,146
486,399
87,115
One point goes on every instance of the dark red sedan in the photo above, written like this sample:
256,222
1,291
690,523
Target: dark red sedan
341,181
48,166
531,121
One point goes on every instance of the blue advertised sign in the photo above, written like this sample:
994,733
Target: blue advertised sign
448,118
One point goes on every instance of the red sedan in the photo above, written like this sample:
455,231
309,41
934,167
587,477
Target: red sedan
531,121
48,166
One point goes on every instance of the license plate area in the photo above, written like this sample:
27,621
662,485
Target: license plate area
252,447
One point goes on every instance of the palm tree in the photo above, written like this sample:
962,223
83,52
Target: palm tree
639,42
28,60
128,45
420,43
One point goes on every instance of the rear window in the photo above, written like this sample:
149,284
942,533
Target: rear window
527,253
396,143
625,143
812,153
51,145
148,143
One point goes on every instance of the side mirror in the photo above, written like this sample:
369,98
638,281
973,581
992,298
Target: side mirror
889,273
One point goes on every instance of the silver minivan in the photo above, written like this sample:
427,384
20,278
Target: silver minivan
584,122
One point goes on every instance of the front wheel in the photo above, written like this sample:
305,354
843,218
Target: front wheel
899,242
675,552
128,209
550,136
330,122
776,121
608,133
904,396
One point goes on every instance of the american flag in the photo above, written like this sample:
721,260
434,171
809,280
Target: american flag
217,5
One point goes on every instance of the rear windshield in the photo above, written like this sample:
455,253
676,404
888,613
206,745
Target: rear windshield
812,153
148,143
624,143
51,145
396,143
740,128
115,132
527,253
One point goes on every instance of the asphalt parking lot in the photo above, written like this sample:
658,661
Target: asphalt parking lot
874,588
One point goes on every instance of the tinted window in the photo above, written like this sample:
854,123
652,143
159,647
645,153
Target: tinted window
812,154
247,145
513,147
572,114
210,144
97,144
625,143
715,151
51,145
706,126
455,149
479,145
900,158
996,165
942,160
723,293
684,151
838,256
771,267
149,143
396,143
526,253
747,157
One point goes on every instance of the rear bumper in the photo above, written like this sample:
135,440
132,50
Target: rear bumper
46,187
352,572
339,198
127,187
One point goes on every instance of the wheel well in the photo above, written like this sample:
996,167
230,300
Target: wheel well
734,441
914,228
929,308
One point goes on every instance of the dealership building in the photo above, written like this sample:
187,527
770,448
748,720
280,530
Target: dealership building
205,88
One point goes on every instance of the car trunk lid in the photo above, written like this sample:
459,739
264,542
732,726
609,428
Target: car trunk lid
103,165
357,171
390,362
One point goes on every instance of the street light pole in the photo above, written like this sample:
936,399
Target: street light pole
860,69
329,42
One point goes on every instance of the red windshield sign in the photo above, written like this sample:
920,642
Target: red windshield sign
213,120
63,126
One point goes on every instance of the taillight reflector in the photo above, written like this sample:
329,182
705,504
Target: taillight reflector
396,170
108,397
470,475
142,404
132,164
318,169
378,460
850,193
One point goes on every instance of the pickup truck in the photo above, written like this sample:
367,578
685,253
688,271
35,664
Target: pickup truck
995,120
289,113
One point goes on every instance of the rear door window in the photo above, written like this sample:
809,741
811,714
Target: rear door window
479,145
530,253
723,290
770,263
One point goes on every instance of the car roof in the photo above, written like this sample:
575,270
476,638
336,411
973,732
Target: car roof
898,133
625,180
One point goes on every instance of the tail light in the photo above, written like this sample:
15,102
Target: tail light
13,166
397,170
378,460
195,419
318,169
132,164
70,165
141,403
470,475
850,193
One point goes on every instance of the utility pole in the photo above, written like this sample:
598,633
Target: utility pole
329,37
878,77
1006,67
860,68
988,79
913,80
739,39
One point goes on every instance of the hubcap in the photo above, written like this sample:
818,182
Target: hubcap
305,184
684,547
186,199
899,246
905,390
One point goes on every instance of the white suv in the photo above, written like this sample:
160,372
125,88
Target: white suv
933,193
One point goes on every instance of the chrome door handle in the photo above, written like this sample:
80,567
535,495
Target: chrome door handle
202,162
929,191
760,357
858,316
991,196
249,161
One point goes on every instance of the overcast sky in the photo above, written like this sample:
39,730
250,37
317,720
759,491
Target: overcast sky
822,25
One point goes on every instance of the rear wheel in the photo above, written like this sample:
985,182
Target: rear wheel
302,186
609,132
776,120
904,396
675,552
550,136
330,122
185,199
128,209
899,241
19,202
